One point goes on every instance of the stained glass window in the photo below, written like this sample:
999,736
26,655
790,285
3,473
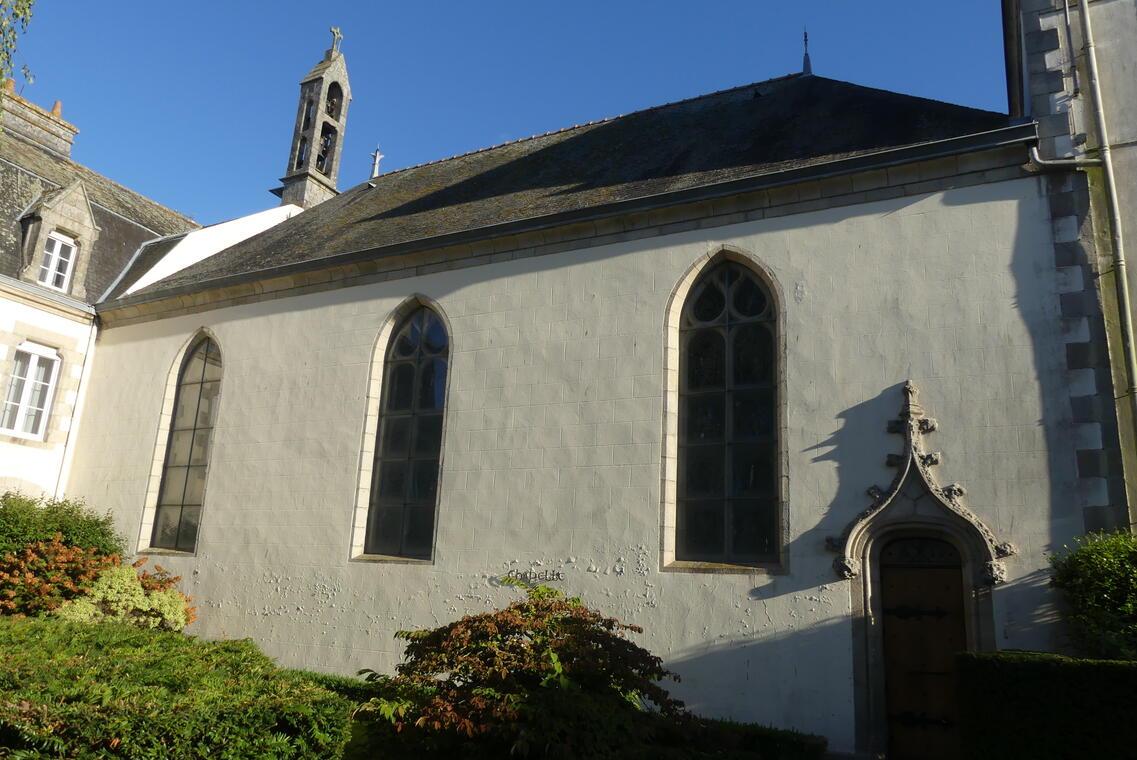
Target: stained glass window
728,462
404,481
187,453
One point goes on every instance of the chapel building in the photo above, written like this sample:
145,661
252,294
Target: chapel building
762,371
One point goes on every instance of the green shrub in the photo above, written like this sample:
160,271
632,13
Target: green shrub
43,575
87,692
352,689
1031,706
25,520
117,594
1099,577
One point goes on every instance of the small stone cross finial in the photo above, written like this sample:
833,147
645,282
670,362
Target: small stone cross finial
337,37
376,157
806,66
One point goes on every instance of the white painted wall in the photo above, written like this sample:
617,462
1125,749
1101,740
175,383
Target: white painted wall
553,442
205,242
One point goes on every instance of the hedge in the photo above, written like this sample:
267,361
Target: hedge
688,738
1038,706
110,690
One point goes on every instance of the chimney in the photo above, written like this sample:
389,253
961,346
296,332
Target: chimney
47,129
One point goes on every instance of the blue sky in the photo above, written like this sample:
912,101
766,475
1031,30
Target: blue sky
192,104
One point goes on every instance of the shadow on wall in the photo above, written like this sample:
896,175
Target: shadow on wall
786,676
1032,615
1037,303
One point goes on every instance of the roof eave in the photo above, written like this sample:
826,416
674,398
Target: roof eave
1021,133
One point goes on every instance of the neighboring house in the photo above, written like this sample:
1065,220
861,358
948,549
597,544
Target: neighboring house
67,234
657,361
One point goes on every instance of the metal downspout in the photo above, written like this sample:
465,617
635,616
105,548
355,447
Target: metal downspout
1119,264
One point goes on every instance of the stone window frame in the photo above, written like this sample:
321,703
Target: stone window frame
371,419
49,261
37,352
716,254
162,442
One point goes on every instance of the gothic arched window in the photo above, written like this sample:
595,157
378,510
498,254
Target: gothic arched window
728,494
302,153
334,102
309,112
187,452
404,480
326,149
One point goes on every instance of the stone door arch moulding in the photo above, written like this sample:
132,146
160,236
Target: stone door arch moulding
915,505
939,510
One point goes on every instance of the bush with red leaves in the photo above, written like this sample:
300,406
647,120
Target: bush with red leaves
546,676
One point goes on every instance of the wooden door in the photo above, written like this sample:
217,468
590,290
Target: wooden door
923,627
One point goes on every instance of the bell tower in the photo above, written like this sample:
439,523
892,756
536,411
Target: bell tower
317,139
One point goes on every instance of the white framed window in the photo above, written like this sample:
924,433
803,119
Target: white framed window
30,390
58,261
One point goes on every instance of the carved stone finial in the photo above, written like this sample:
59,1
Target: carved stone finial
911,409
994,572
337,37
954,491
847,567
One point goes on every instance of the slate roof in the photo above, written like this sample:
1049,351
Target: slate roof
791,122
62,172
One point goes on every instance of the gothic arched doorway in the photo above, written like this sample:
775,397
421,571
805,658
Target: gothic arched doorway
921,566
923,627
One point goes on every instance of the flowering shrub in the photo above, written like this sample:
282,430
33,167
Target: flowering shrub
48,576
45,574
118,594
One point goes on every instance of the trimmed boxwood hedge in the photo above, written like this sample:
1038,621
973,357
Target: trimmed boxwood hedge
1039,706
110,690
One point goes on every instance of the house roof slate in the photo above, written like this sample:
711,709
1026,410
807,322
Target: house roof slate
791,122
62,171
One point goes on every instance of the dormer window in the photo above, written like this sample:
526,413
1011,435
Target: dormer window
58,262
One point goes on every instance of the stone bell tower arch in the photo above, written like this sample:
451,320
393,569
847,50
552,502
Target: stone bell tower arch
317,138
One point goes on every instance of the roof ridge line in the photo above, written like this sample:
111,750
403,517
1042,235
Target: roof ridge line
589,124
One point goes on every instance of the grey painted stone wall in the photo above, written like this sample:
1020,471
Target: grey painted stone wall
554,439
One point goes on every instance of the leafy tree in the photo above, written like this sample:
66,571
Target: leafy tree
1099,576
14,18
